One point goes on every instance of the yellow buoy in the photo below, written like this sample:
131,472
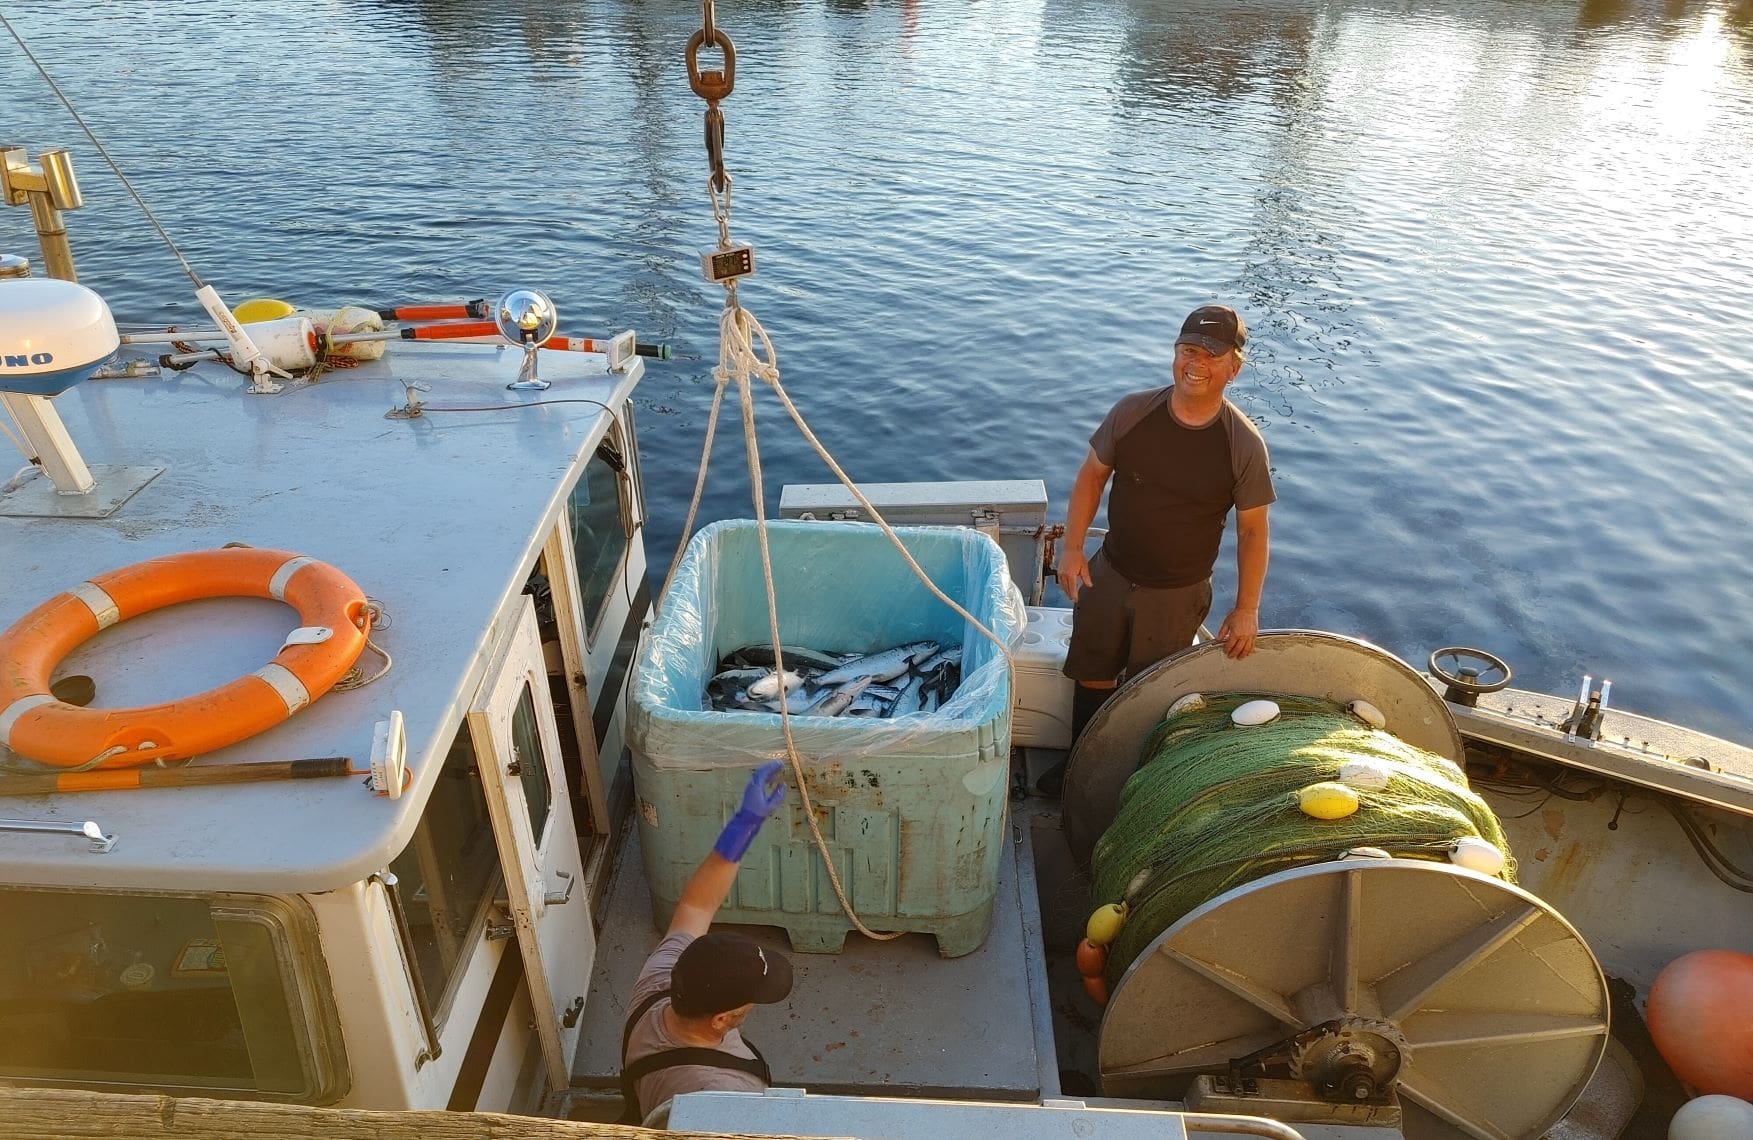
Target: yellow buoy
261,309
1104,925
1327,800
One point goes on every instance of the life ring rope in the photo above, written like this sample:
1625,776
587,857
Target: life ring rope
33,723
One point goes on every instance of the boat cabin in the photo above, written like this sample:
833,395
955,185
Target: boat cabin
313,940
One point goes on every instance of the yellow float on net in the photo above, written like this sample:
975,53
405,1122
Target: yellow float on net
1327,800
1104,925
258,309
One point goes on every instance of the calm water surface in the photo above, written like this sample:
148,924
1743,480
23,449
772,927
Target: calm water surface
1497,256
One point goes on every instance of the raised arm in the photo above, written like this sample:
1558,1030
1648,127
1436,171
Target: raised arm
710,884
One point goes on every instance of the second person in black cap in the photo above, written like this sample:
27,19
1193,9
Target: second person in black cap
699,986
1180,459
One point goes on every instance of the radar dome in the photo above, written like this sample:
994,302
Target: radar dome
53,334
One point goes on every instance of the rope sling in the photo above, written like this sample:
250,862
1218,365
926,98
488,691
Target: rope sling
746,354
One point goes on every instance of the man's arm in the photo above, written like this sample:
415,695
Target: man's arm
1086,496
1241,629
710,883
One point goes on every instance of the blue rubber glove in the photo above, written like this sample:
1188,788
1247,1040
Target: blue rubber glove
758,804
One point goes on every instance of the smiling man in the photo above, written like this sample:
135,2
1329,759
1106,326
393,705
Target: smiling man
1180,459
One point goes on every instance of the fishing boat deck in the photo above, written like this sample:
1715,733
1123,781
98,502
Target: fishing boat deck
438,518
885,1018
1637,749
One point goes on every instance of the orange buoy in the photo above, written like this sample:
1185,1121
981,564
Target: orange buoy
1091,959
1700,1016
333,613
1097,988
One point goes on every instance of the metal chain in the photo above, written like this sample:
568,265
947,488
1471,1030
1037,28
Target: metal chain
713,86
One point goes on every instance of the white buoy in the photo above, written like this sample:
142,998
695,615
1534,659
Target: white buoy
1187,703
1368,713
1255,713
1363,853
1371,775
1713,1117
1475,854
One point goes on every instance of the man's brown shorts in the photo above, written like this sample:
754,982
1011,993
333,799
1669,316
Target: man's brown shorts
1118,627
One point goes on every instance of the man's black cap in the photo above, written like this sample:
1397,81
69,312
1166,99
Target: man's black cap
720,971
1215,328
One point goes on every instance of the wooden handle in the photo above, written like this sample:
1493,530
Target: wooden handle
121,779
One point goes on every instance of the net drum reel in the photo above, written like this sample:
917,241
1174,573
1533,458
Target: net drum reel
1364,989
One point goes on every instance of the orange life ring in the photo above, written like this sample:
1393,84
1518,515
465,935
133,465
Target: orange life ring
34,724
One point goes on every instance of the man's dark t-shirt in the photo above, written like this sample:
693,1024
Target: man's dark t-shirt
1174,486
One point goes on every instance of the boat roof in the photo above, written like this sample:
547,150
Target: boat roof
438,518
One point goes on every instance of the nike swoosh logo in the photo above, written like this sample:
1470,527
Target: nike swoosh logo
1208,322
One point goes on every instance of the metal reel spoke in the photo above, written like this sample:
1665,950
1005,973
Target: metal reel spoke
1344,975
1401,993
1266,1000
1211,1055
1486,1008
1497,1029
1447,1106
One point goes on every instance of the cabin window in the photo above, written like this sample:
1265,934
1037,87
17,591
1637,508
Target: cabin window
216,994
448,874
601,516
532,767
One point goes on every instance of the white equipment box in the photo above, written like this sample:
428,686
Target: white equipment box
1012,511
1042,716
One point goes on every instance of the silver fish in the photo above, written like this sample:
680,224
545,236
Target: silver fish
797,704
884,666
910,698
953,656
796,657
769,685
731,679
723,690
868,705
841,699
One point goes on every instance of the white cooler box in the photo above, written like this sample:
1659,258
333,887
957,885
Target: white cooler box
1042,715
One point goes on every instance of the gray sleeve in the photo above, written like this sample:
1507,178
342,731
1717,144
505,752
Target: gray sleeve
654,976
1251,464
1121,418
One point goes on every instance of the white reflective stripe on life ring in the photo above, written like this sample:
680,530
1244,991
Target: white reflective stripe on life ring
277,585
283,681
10,714
102,606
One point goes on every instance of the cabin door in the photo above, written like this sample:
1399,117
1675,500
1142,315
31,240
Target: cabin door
513,726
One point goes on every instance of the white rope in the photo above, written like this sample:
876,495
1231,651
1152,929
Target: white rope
23,448
721,377
739,360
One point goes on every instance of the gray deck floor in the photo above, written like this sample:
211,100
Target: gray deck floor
888,1018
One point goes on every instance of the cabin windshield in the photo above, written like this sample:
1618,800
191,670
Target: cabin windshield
152,990
601,526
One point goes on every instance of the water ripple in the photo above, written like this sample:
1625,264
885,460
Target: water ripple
1496,256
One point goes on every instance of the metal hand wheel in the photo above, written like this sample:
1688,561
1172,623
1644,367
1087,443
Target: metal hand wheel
1464,675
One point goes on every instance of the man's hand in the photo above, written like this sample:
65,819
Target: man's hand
1240,630
1074,571
765,793
706,890
761,799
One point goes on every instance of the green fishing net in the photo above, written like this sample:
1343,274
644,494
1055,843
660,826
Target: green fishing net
1214,805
